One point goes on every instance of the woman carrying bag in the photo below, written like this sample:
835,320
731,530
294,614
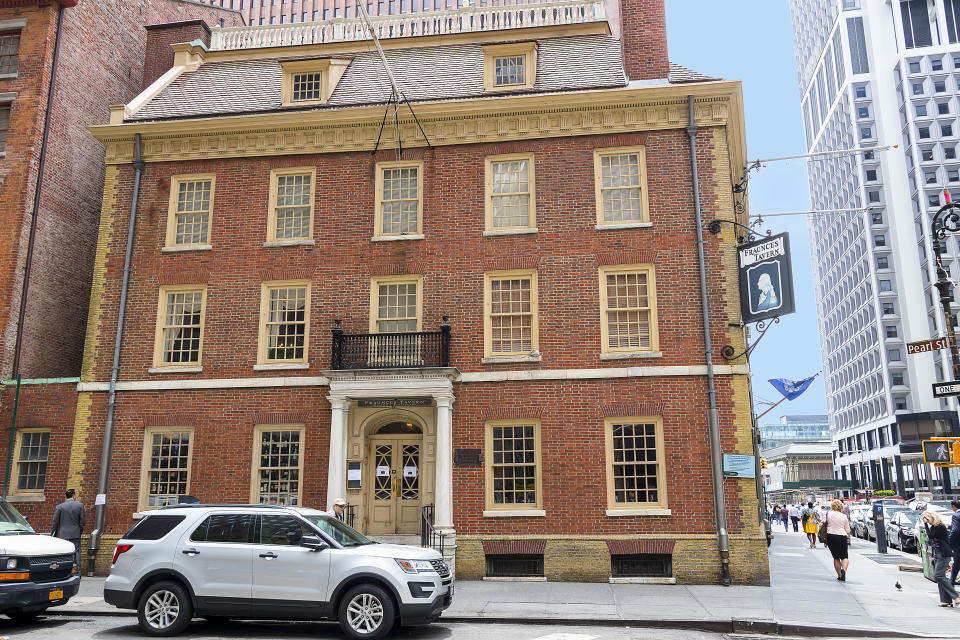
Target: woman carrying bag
937,535
835,533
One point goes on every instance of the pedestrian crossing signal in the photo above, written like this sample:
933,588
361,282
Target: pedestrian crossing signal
941,451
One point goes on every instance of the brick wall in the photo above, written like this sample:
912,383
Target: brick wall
643,36
158,56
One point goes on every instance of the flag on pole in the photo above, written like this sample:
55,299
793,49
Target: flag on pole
790,389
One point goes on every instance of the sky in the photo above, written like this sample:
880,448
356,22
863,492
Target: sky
752,41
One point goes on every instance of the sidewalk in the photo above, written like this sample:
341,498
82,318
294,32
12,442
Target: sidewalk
805,598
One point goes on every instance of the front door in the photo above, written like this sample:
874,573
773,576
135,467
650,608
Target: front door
394,497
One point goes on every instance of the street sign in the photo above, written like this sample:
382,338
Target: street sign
924,346
946,389
937,451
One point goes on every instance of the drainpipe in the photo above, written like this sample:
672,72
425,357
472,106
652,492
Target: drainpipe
108,430
41,164
716,455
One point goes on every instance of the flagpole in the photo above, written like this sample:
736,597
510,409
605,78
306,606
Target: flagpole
772,407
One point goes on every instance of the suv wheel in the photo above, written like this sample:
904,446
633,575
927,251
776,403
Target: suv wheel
367,612
164,609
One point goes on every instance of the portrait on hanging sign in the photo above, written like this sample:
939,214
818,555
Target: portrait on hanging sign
766,278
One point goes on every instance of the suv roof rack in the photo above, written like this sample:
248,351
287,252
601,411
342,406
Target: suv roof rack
199,505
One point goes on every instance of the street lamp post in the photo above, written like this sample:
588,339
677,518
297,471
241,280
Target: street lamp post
946,219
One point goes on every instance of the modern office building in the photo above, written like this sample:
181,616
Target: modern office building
873,74
791,429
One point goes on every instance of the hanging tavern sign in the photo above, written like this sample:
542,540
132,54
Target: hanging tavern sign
766,278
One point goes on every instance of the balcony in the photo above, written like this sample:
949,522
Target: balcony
413,350
429,23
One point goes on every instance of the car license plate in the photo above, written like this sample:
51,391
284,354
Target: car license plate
56,594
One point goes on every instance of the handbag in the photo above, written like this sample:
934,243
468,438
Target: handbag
822,533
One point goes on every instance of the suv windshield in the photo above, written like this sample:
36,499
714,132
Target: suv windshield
347,536
11,522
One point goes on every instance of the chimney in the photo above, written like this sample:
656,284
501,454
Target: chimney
641,27
158,56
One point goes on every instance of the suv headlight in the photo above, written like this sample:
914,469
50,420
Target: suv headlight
415,566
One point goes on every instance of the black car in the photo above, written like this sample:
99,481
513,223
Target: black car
901,530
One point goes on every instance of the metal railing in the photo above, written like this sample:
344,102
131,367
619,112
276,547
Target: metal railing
429,537
390,350
464,20
349,513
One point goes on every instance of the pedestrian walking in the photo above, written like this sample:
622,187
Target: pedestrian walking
794,513
69,519
939,540
784,517
838,538
811,523
954,539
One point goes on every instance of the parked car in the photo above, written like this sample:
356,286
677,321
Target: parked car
901,530
37,572
858,520
274,562
888,512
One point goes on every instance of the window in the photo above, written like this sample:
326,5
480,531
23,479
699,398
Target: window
307,82
510,193
873,196
863,112
933,200
645,565
888,308
281,529
876,217
936,64
30,463
900,404
916,23
191,205
153,527
921,110
883,263
946,129
284,322
939,86
399,200
180,319
509,66
917,88
930,177
513,465
628,303
914,67
896,379
9,54
952,13
890,331
866,132
225,527
621,185
923,132
291,204
868,155
635,469
277,465
510,307
166,467
871,175
860,92
880,240
943,108
885,285
950,153
858,46
893,355
395,304
4,126
926,155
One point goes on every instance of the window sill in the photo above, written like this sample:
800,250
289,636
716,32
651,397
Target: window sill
623,225
280,366
191,247
516,513
294,242
638,512
524,579
510,359
26,498
636,354
648,580
175,370
509,232
409,236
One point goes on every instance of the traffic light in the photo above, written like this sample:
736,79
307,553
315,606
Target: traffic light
763,463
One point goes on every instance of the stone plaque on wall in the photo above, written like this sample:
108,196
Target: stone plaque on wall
467,457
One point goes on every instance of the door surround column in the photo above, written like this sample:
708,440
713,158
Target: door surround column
443,487
336,483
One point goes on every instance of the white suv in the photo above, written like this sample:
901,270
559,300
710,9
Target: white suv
260,561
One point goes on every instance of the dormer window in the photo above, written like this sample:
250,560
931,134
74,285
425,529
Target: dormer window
509,66
308,82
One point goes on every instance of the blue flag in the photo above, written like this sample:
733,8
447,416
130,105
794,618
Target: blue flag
789,388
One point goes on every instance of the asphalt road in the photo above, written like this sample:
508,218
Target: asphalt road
56,627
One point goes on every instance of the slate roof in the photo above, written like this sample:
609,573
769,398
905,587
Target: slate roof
443,72
679,74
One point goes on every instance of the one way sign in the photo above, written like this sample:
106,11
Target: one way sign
946,389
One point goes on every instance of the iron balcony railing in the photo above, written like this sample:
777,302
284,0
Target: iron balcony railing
390,350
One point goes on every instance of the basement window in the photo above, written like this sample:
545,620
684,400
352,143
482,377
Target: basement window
518,565
642,565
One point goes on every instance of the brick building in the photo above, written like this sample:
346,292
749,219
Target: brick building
494,325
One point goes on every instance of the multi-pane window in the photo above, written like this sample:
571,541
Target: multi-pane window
191,203
510,192
166,468
916,23
285,322
31,461
399,202
635,468
858,46
278,464
9,53
511,306
621,185
628,305
181,325
396,305
509,70
513,464
307,86
4,125
291,206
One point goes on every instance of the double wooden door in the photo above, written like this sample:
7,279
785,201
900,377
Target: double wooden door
394,497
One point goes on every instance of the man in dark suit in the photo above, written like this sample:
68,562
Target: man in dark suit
954,539
68,520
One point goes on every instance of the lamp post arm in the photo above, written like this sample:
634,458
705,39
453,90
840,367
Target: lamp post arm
946,219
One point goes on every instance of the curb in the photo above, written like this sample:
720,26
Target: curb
771,627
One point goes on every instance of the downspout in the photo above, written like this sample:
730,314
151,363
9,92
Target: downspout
713,418
41,164
108,428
